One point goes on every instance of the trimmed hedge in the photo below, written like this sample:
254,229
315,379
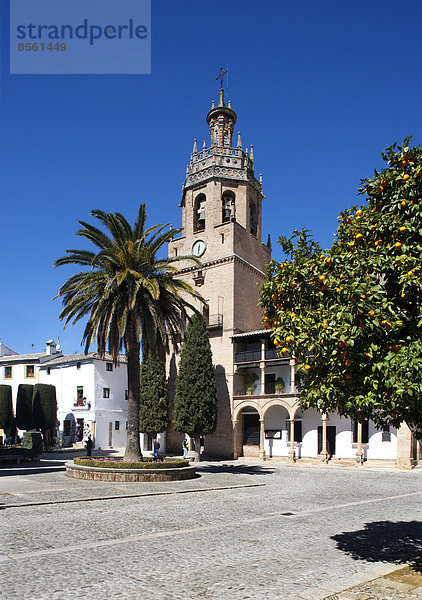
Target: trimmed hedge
32,440
44,406
6,406
105,463
26,453
24,406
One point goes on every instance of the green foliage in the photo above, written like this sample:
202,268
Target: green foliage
44,406
24,406
129,295
32,440
153,404
195,402
6,406
25,453
352,315
147,463
250,378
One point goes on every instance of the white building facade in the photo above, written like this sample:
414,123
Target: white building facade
91,392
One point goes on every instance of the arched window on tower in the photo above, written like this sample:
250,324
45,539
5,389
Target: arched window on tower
199,213
228,207
253,218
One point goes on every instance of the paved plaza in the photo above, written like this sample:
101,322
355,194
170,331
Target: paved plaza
239,531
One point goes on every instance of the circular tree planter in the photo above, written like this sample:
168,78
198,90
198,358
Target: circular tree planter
139,473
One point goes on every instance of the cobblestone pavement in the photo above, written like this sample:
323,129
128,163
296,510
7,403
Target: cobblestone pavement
240,531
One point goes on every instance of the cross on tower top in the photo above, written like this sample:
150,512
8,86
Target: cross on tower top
220,76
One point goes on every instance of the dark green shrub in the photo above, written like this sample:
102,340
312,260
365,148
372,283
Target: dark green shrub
6,407
26,453
153,402
32,440
106,463
195,401
44,406
24,406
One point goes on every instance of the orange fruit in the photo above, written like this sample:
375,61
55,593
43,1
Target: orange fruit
402,229
403,203
359,236
307,367
371,313
284,350
406,176
397,244
288,339
348,376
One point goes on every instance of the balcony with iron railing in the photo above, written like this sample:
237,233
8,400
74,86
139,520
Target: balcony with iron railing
248,356
256,356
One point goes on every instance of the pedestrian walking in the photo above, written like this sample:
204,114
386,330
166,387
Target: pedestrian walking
88,445
156,447
185,448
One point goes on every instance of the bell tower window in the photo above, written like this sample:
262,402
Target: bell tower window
253,219
228,206
199,213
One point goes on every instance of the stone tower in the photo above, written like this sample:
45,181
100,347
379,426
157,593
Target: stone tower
221,221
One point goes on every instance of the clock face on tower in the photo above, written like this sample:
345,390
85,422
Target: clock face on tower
198,248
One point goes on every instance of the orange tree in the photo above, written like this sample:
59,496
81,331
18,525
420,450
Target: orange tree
352,315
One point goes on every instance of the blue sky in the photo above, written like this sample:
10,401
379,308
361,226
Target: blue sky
320,89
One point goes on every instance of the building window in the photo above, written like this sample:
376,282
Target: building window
199,213
126,394
116,425
48,370
365,432
109,366
78,365
30,371
126,425
80,396
8,372
386,434
228,206
106,392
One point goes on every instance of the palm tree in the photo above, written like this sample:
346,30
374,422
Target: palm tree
130,296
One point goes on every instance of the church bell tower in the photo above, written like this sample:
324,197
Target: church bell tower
221,221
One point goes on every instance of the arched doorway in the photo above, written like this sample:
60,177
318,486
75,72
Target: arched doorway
250,431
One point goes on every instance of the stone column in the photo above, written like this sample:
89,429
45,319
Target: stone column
262,368
405,447
292,454
292,375
359,451
237,439
324,454
261,439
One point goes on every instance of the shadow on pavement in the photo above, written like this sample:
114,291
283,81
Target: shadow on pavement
385,541
233,469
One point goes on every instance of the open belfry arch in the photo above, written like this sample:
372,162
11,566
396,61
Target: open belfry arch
221,220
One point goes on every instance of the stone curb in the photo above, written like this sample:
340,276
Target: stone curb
141,495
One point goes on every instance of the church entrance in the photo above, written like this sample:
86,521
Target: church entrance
331,440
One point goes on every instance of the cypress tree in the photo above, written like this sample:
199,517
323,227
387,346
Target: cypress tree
6,407
195,402
44,406
24,406
153,405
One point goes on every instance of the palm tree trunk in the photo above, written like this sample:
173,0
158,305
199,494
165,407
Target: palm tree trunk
133,347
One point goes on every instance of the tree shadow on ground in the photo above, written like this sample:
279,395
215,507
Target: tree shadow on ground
233,469
384,541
